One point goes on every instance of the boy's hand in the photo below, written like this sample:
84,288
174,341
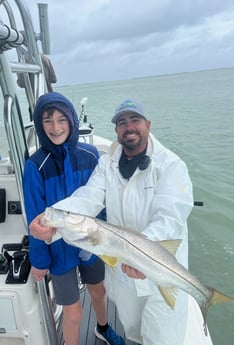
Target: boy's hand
39,231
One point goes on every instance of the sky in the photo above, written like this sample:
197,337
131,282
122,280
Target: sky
106,40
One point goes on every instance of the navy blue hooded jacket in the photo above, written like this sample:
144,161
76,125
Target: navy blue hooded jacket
51,174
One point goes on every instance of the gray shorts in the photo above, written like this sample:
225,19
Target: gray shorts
66,289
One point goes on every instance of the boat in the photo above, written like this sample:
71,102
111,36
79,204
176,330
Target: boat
28,312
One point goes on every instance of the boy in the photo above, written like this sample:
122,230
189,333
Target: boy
53,172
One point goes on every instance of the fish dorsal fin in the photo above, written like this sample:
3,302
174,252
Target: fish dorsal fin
110,260
170,245
169,295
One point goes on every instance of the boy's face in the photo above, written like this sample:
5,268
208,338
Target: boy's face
56,127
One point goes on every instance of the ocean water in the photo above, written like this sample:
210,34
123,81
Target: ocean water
192,114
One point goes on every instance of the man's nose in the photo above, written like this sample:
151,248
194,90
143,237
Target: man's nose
129,125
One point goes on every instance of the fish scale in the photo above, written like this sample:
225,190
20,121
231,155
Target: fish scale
155,259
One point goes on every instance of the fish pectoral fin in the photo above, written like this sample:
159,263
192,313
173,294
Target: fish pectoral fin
170,245
110,260
169,295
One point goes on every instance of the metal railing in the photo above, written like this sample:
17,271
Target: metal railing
11,38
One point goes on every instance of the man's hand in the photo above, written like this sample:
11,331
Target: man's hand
132,272
39,231
38,274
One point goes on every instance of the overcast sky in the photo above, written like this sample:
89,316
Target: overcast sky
103,40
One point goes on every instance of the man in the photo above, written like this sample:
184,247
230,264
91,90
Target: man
55,170
146,187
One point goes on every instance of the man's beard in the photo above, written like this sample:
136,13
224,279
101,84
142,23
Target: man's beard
130,146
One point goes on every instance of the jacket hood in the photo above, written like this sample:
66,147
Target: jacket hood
60,102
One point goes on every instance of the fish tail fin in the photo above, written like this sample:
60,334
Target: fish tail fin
217,297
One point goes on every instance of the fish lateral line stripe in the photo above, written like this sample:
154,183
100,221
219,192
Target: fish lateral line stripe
113,231
111,228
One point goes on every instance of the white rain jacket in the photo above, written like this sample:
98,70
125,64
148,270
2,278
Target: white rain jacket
156,202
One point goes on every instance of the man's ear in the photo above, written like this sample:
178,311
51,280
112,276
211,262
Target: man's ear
148,124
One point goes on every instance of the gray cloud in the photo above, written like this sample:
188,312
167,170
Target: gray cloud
99,40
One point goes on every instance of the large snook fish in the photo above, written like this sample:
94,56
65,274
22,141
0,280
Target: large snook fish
155,259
